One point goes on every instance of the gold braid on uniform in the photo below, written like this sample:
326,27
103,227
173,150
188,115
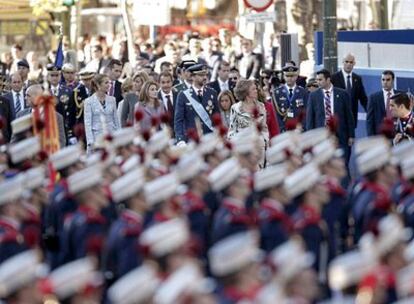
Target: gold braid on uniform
78,106
277,106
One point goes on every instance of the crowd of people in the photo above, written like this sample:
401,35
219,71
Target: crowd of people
198,176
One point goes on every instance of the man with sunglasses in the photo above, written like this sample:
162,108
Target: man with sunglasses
351,82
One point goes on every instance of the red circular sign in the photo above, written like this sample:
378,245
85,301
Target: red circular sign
258,5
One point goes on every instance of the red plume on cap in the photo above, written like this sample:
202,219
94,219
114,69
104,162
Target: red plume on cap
165,118
109,137
255,112
333,124
193,135
155,121
45,286
216,119
223,131
79,131
288,153
146,134
259,127
139,114
94,244
104,155
2,123
129,123
228,145
43,155
141,153
27,164
387,128
291,124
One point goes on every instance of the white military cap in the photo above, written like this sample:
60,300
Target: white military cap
232,253
288,267
73,277
18,271
348,269
405,281
127,185
65,157
302,180
165,237
24,149
189,166
269,177
390,233
68,67
323,152
373,159
158,141
123,137
22,123
131,163
313,137
291,136
270,294
403,150
137,286
407,167
34,178
208,143
364,144
225,174
185,279
85,179
246,141
161,188
11,189
277,153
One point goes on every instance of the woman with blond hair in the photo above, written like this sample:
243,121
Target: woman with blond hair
100,111
149,104
249,111
132,97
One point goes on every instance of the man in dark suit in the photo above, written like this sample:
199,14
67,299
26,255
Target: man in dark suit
223,83
249,63
378,103
198,102
115,71
167,95
16,96
329,101
351,82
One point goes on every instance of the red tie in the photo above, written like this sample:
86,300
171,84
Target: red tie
328,109
169,104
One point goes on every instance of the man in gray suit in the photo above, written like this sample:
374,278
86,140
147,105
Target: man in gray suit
32,93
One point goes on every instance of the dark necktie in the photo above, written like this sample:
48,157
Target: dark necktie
169,104
387,107
348,85
112,88
328,110
18,104
200,95
290,93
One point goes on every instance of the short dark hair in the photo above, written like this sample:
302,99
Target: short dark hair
233,69
165,63
114,62
389,72
165,74
402,99
325,73
223,63
17,46
97,47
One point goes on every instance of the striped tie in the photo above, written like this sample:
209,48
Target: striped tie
18,104
328,110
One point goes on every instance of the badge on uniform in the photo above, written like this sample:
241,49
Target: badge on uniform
210,107
299,103
64,98
290,113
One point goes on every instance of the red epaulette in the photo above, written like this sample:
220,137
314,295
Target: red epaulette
307,216
334,187
193,202
11,236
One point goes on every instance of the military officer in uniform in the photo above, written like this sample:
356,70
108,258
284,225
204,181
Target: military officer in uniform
185,76
289,98
197,102
82,91
53,79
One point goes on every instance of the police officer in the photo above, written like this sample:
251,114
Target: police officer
196,103
289,98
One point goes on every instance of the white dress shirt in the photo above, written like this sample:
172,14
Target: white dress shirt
224,86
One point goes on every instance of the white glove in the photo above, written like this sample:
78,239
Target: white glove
181,143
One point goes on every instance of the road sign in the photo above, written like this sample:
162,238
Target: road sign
152,12
262,17
258,5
